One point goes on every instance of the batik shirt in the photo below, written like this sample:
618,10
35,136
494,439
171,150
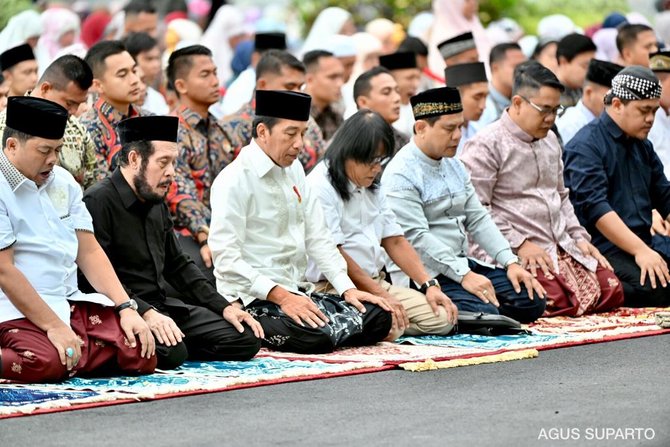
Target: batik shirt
238,129
328,119
77,155
519,179
100,122
204,151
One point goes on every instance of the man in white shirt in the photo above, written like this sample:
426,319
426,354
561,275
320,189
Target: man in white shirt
363,226
265,222
49,329
598,81
473,86
659,134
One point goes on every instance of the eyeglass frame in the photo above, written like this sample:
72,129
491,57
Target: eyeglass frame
543,111
379,160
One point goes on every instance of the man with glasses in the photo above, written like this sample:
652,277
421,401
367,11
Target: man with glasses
430,192
517,172
616,179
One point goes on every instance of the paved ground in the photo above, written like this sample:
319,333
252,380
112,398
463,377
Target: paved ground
576,393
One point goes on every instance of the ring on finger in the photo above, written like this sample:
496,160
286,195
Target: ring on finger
485,292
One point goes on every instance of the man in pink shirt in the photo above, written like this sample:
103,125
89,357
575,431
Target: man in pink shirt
517,172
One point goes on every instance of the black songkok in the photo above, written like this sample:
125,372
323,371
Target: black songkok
464,74
148,128
283,104
16,55
36,117
269,41
602,72
436,102
398,61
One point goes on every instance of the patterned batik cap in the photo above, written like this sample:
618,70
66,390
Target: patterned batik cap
636,83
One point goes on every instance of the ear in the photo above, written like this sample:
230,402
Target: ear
134,159
420,126
562,60
362,102
262,131
45,87
180,87
516,102
97,86
261,84
12,144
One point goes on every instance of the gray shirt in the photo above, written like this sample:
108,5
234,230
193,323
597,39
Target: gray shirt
436,205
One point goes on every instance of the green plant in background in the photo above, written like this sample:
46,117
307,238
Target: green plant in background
527,12
9,8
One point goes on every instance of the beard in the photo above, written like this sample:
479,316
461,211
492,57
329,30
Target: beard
144,191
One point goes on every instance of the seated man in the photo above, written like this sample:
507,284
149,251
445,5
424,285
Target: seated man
616,179
659,135
472,84
457,50
323,82
377,90
133,225
404,69
516,169
598,81
49,330
431,195
363,226
117,83
265,223
573,54
276,70
19,68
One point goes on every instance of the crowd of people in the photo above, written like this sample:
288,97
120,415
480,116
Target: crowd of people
195,182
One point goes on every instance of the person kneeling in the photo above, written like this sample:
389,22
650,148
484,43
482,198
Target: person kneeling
49,329
363,226
133,225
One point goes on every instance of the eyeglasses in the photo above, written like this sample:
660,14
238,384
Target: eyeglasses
380,160
544,111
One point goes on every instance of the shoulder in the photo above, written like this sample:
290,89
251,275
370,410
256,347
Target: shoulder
101,190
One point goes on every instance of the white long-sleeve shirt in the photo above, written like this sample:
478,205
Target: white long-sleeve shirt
265,222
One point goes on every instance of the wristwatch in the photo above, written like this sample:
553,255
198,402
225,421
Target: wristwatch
512,261
130,304
430,283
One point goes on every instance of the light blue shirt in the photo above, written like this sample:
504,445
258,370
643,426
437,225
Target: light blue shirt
573,120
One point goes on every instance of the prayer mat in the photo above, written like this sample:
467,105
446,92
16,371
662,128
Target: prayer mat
546,333
191,378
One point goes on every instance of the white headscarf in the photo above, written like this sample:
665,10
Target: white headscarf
328,23
555,27
56,22
19,29
227,23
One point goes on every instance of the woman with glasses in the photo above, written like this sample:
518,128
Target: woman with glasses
347,185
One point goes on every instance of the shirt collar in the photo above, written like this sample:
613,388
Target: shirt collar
421,156
128,196
111,114
13,175
498,97
612,128
262,163
193,118
585,111
517,132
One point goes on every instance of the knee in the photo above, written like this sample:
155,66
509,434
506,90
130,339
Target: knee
37,368
532,311
476,306
170,357
377,323
434,325
247,345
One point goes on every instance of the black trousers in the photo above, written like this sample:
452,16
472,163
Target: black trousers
192,249
347,327
207,337
634,294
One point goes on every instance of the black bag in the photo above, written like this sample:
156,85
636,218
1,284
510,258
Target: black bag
479,323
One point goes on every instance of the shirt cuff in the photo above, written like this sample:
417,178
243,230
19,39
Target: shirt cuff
506,256
458,269
217,304
342,283
515,239
598,210
261,287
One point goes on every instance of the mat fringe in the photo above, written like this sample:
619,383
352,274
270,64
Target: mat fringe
431,365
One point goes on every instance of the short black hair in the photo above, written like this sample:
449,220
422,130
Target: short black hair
98,53
627,34
66,69
137,43
363,83
145,148
359,138
22,137
573,45
272,61
413,45
181,62
311,59
138,6
532,75
269,121
499,52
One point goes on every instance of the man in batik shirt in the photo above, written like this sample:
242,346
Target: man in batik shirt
66,82
276,70
516,169
117,84
203,150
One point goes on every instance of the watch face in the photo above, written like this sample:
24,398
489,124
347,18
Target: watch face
133,304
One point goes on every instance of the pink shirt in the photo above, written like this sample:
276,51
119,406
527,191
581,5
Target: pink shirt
520,180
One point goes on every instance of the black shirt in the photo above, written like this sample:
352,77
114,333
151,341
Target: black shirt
140,242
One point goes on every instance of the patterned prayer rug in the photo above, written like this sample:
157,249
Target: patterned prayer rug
192,378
